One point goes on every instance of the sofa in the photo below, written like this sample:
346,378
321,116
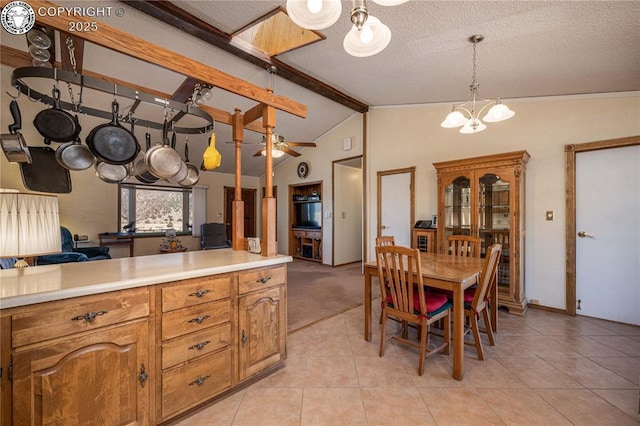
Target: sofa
71,253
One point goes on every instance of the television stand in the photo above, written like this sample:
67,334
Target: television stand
305,228
307,244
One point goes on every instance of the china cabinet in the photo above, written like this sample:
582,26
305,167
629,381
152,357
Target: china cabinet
484,197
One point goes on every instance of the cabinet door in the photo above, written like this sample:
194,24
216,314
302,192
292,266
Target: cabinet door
456,207
89,379
262,330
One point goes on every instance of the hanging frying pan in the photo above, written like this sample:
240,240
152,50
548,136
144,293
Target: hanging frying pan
140,170
111,143
184,170
13,144
163,161
74,155
111,173
193,174
44,174
56,124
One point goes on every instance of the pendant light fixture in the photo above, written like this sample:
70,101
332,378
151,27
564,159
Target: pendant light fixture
368,35
470,121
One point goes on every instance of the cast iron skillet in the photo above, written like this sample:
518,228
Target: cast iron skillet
55,124
111,143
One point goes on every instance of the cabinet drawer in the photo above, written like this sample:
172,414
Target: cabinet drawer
195,344
299,234
316,235
66,317
194,292
190,385
187,320
261,278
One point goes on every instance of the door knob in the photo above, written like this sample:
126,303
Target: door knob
583,234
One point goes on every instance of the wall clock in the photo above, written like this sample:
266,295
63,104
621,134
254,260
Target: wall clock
303,170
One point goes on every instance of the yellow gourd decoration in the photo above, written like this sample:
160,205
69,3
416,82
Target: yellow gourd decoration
211,157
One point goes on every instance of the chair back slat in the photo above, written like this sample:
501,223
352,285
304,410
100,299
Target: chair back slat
487,276
386,240
463,245
401,268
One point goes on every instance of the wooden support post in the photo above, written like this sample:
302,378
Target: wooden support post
269,245
238,203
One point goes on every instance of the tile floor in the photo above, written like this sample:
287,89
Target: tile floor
546,369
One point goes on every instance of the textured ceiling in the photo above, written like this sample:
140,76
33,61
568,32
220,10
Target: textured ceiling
531,48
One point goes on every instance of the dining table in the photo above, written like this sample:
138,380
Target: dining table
441,271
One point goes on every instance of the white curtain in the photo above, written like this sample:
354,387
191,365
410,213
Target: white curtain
199,209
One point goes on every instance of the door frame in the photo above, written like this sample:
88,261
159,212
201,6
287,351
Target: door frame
412,196
570,232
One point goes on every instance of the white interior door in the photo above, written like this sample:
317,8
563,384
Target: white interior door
608,240
395,204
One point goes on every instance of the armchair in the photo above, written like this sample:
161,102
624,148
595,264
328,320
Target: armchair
71,254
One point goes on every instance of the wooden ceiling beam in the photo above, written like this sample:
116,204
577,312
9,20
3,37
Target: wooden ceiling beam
169,13
138,48
253,114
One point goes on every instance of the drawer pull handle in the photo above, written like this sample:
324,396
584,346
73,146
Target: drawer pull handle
263,280
200,319
200,380
200,293
89,316
200,345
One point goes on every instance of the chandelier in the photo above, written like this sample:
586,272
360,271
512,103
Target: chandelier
368,35
470,122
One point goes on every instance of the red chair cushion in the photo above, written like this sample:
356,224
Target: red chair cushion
434,301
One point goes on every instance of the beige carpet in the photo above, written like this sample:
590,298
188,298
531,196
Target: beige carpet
317,291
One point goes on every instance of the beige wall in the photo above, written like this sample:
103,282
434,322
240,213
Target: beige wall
412,136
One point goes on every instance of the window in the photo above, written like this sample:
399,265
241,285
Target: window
154,210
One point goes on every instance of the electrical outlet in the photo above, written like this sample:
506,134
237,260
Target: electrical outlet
534,301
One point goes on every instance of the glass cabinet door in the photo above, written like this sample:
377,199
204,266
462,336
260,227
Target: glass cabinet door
493,219
457,207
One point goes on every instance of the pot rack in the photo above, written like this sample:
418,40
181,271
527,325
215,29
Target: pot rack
181,110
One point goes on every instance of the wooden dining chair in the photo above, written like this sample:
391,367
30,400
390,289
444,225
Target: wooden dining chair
386,240
477,301
463,245
405,299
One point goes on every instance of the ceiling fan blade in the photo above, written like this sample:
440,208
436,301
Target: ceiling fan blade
258,154
290,151
301,144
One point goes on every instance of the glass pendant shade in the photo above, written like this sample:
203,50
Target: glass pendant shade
454,119
314,14
389,2
469,128
275,153
498,112
371,39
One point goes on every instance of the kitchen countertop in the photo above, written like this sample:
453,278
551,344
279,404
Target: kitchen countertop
20,287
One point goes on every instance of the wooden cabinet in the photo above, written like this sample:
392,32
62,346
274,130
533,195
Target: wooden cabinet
305,221
262,320
484,197
84,361
194,356
144,355
424,239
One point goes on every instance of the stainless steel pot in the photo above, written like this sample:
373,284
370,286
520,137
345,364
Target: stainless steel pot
193,174
74,156
163,161
111,173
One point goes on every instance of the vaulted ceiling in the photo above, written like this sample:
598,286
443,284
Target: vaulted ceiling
531,49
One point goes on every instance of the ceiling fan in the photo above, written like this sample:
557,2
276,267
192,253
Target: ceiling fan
280,146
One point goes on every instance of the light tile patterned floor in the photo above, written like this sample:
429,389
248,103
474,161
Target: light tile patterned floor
546,369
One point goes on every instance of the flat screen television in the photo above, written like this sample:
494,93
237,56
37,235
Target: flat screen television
308,215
